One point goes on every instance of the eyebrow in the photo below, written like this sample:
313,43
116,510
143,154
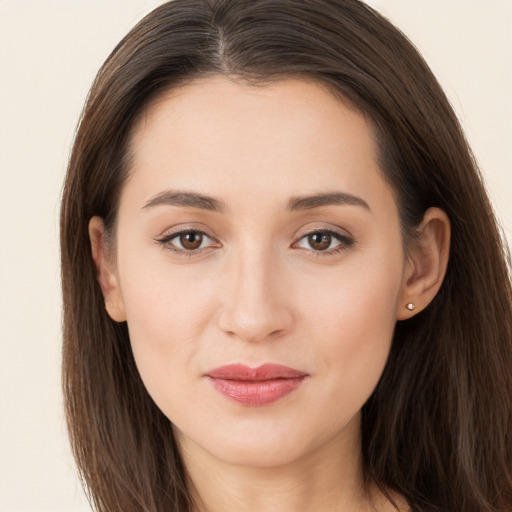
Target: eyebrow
195,200
188,199
325,199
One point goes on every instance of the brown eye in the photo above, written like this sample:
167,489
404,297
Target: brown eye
325,242
191,240
188,242
319,241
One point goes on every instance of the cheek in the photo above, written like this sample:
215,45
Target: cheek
352,322
167,310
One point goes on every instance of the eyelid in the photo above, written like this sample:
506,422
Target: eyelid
171,233
326,228
346,240
181,228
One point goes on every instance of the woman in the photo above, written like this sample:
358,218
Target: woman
284,285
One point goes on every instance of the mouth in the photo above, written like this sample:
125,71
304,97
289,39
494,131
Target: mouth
255,386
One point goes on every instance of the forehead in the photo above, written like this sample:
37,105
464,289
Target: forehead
226,138
302,104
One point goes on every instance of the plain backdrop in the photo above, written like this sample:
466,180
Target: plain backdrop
50,51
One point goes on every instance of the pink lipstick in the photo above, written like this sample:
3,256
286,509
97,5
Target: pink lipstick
255,386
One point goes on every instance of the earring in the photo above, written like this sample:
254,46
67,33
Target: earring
410,306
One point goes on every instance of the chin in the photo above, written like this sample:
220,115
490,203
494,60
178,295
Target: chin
262,454
260,444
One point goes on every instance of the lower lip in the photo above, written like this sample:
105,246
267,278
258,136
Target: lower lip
256,393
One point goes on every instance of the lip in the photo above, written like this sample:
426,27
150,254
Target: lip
255,386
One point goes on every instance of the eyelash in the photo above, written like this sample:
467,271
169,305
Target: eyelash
166,240
345,242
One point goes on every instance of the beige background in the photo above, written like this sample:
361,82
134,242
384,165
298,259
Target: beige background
49,53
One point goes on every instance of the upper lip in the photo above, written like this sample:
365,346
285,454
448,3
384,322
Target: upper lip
264,372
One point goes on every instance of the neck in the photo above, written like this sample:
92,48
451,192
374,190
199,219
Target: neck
329,478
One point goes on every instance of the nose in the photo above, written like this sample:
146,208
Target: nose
256,305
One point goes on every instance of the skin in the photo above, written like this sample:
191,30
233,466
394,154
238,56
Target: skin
259,290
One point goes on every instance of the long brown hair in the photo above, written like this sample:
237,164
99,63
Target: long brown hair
438,427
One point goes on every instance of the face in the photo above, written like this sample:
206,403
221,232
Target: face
259,266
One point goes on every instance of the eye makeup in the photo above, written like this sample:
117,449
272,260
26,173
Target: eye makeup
324,242
320,241
188,241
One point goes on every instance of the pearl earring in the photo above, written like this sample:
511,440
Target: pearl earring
410,306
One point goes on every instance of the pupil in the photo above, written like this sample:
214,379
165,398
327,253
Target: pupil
191,240
320,241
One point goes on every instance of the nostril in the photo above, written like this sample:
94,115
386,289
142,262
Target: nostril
254,304
257,327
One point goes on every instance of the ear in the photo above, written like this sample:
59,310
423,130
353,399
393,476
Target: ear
105,269
426,264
